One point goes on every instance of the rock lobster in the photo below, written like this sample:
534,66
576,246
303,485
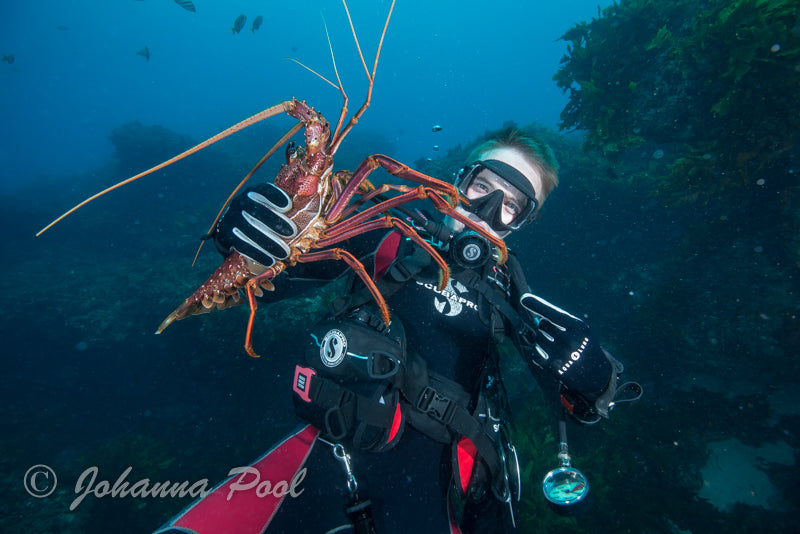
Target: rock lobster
327,207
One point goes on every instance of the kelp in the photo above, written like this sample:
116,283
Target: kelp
719,73
698,102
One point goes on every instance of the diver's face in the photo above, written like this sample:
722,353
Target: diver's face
487,182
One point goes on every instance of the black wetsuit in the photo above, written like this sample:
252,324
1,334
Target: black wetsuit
409,484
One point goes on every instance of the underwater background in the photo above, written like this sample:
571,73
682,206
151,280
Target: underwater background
675,232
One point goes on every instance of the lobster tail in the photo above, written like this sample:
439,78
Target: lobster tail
220,291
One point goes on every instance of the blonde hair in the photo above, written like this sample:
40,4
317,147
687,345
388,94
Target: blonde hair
536,151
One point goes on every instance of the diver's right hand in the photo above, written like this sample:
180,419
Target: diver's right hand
255,225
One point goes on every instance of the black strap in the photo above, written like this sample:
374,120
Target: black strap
345,409
462,423
495,298
439,405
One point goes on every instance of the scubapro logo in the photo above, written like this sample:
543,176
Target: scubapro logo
333,348
453,303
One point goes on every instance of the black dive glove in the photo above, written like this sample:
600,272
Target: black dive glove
563,345
255,225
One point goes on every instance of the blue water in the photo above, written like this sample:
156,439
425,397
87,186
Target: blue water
696,295
465,65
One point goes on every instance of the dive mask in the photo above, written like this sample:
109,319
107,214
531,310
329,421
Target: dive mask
490,206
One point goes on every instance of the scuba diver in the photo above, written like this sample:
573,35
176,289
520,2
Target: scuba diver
405,426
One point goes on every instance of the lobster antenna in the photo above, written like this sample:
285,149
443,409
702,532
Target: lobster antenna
355,38
333,57
343,112
281,141
312,71
269,112
354,119
380,45
335,70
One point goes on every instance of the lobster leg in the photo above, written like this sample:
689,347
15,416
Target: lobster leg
392,222
332,254
252,291
357,266
372,192
432,188
409,195
395,168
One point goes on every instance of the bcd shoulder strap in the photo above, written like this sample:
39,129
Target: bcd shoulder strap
501,308
399,273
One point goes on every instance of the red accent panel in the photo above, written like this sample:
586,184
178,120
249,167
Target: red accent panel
466,459
246,512
386,254
398,418
302,381
566,404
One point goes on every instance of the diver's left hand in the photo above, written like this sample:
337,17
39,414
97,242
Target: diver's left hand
563,345
566,345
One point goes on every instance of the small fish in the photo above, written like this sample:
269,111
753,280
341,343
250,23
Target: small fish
238,24
257,23
436,147
145,53
8,58
436,128
187,5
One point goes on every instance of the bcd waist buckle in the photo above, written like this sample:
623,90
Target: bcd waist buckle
435,405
